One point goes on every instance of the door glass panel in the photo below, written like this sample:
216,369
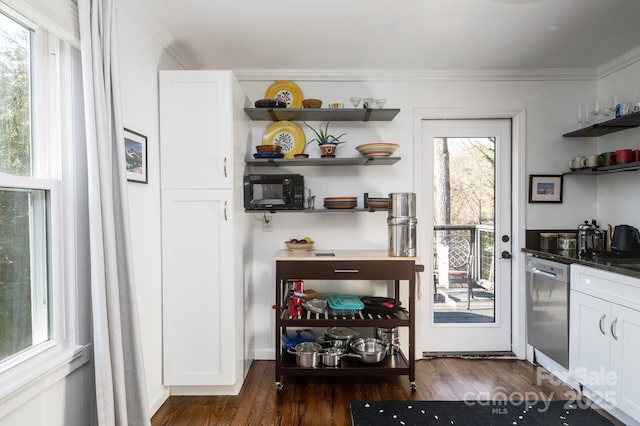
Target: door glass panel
463,232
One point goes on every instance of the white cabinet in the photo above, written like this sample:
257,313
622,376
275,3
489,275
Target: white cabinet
605,337
205,239
196,130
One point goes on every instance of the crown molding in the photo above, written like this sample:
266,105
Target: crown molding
619,63
159,33
415,75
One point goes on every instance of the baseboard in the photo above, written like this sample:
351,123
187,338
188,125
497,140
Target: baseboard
265,354
155,405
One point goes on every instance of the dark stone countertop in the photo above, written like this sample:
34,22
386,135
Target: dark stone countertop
629,266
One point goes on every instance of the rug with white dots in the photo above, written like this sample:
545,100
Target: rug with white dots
475,413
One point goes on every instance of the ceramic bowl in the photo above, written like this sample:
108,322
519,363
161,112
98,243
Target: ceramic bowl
312,103
268,148
340,202
379,149
381,102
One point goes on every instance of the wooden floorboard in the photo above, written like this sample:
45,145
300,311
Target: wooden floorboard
325,400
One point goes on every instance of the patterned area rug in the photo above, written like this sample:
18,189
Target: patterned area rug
475,413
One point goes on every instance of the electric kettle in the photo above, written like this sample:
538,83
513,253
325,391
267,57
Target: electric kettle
625,238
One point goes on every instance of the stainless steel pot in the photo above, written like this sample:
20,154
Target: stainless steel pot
338,337
307,354
369,349
389,336
331,357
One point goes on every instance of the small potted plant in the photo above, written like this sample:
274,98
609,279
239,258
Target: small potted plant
326,142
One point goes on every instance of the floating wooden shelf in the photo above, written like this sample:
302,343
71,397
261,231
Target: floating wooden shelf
321,114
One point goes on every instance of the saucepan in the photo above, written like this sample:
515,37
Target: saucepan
307,354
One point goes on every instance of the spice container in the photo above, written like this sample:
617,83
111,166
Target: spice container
549,241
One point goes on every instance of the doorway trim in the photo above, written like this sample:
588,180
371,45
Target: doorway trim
518,190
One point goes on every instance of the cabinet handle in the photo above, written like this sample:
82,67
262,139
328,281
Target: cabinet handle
613,328
351,271
224,167
602,323
225,210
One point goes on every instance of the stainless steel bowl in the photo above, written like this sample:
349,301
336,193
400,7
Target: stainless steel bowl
370,349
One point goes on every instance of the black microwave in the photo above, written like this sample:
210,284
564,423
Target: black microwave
274,192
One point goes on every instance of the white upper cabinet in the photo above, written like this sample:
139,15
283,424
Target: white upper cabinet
196,128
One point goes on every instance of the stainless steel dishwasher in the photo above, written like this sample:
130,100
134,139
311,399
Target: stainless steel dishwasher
548,308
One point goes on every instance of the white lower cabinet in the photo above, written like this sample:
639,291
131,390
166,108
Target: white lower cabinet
198,324
604,339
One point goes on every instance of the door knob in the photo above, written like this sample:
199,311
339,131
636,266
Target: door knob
505,255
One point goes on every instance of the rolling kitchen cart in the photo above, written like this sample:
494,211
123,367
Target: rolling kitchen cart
345,265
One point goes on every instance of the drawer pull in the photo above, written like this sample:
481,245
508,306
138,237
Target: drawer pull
349,271
601,324
613,328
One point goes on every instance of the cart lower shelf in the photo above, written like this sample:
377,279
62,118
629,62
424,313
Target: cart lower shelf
392,365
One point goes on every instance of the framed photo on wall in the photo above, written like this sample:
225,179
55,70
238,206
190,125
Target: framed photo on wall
135,147
545,188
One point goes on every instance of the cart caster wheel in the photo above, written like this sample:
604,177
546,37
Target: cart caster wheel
279,387
413,386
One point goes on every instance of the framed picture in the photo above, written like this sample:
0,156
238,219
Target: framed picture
545,188
135,147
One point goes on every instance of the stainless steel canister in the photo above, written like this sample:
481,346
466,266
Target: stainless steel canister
402,224
402,204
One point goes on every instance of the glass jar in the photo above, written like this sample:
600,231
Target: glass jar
549,241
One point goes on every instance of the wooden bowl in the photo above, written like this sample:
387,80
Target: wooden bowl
268,148
312,103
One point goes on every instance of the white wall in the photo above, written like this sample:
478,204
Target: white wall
550,112
141,56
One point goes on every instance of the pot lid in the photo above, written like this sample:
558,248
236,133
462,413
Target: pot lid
586,226
341,333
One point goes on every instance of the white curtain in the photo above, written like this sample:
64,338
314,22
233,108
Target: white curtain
119,371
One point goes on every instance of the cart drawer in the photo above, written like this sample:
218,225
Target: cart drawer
347,270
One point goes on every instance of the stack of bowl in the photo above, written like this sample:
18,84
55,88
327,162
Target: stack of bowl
340,202
378,149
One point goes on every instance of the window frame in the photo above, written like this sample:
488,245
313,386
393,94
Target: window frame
53,170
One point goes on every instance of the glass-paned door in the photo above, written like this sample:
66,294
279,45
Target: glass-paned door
469,303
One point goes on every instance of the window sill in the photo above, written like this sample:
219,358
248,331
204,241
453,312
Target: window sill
23,382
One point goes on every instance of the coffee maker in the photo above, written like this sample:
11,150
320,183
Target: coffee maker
590,239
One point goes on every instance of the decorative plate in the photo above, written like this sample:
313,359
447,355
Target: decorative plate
286,134
287,91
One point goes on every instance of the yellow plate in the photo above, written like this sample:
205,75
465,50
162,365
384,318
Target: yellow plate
286,91
286,134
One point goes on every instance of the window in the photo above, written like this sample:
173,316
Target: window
25,201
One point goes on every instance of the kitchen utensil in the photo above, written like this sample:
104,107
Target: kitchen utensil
369,103
549,241
590,238
340,202
312,103
299,246
338,337
288,135
287,91
625,238
268,148
369,349
380,102
389,336
292,338
377,149
270,103
331,356
621,156
380,305
319,306
344,301
307,354
402,223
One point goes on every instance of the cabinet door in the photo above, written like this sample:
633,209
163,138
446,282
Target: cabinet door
195,129
197,288
589,342
625,347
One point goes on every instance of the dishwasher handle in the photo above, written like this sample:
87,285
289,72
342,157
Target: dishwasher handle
543,273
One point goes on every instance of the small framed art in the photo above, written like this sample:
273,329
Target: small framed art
135,146
545,188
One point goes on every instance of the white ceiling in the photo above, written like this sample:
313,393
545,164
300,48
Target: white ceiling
397,34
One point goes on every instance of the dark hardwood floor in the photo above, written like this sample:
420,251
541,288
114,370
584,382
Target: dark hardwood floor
325,400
